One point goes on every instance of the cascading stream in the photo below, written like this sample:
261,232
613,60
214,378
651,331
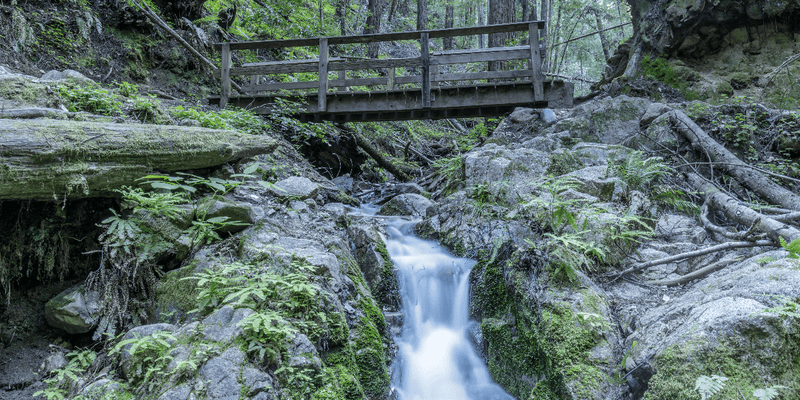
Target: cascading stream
436,359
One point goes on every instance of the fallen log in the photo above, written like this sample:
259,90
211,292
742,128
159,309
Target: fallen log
732,165
54,159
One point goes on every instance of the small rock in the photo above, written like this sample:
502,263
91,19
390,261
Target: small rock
407,204
54,75
222,376
303,353
652,112
296,187
522,115
99,388
258,381
180,392
74,310
548,116
53,361
344,182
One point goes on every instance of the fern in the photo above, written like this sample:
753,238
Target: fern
709,386
768,393
638,173
793,248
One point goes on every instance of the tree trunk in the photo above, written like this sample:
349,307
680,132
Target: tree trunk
748,177
341,16
375,8
54,159
603,41
422,15
500,12
545,16
448,23
481,19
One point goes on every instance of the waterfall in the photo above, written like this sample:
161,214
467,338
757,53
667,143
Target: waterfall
436,359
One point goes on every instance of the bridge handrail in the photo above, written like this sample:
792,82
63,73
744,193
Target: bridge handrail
427,61
382,37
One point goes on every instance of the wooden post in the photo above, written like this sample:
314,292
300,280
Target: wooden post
536,62
322,103
426,66
343,81
390,82
434,72
226,75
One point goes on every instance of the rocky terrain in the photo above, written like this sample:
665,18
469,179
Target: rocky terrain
643,244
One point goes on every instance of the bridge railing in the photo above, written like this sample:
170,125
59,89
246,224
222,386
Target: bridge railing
427,64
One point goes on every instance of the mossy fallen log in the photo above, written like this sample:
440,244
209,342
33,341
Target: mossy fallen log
55,159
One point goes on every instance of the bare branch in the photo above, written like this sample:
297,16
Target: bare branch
700,273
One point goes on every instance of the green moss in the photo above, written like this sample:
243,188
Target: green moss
724,88
174,293
563,162
386,291
343,373
660,70
744,360
370,359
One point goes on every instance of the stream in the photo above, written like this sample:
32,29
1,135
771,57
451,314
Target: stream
436,359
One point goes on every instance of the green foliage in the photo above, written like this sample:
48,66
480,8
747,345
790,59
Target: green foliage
571,244
157,203
148,110
127,89
234,119
789,307
266,335
793,248
150,359
768,393
660,70
707,386
64,381
647,175
88,97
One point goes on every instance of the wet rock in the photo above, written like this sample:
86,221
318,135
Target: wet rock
222,375
180,392
296,187
259,382
548,116
344,182
222,325
74,310
302,353
406,204
218,207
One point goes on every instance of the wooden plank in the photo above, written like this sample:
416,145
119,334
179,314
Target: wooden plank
342,78
476,51
382,37
323,75
426,76
225,75
284,86
374,64
500,54
536,62
390,79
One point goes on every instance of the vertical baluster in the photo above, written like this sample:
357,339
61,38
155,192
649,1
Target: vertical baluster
536,62
322,103
225,70
426,75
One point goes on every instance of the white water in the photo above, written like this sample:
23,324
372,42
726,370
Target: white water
436,360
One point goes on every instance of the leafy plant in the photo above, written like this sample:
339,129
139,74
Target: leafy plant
64,381
149,359
88,98
707,386
127,89
266,334
768,393
793,248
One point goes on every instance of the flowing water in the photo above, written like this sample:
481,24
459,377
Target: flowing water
436,359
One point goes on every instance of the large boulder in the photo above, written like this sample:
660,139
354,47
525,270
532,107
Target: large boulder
406,204
75,310
296,188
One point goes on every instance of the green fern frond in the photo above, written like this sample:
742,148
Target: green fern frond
708,386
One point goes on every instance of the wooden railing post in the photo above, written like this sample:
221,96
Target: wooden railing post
226,75
390,79
322,103
426,66
434,78
536,62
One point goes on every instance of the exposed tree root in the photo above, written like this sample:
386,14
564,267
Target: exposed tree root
696,253
732,165
700,273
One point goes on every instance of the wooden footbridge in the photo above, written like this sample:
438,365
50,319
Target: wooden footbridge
419,87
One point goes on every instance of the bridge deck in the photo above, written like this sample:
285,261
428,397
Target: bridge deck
423,93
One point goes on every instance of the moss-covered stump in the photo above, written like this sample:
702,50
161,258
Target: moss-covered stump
48,159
